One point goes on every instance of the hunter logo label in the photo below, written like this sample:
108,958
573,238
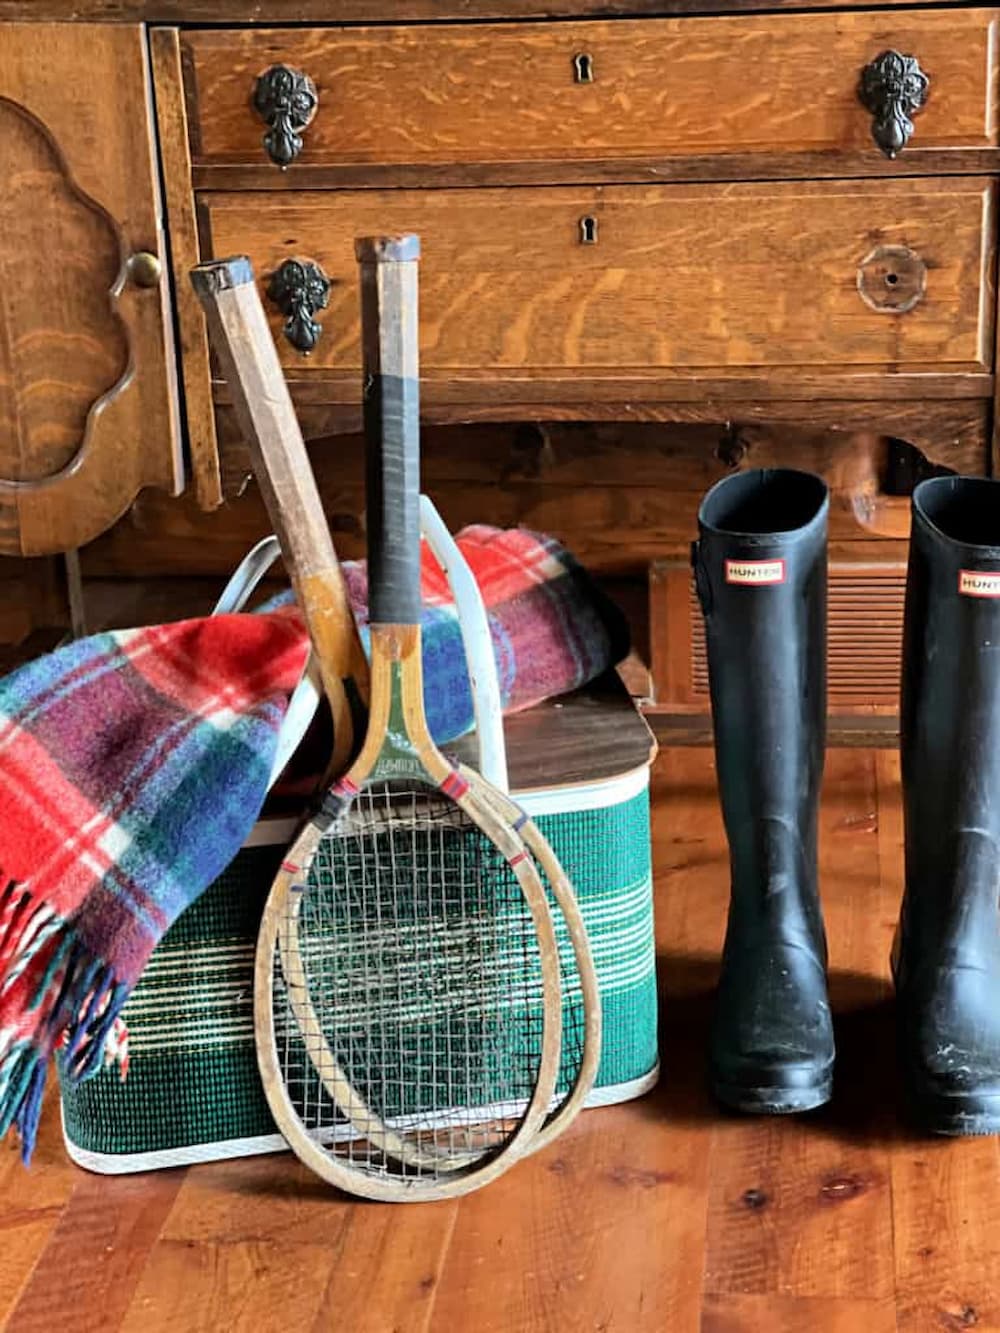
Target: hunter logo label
978,583
756,572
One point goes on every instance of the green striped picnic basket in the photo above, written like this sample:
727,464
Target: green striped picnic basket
193,1092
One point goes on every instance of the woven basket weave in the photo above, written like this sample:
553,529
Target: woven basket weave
193,1092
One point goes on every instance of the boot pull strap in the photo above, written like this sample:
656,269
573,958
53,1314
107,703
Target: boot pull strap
701,582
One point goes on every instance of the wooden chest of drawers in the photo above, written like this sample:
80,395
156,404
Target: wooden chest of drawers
632,215
736,224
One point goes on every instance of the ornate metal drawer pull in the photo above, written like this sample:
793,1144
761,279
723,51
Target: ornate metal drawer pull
299,289
286,100
892,88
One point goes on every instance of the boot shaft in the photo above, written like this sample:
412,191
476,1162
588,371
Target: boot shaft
950,719
950,696
760,569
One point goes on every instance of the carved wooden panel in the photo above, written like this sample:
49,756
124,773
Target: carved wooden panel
88,411
65,348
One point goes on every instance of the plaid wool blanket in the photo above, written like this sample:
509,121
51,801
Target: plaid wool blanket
134,763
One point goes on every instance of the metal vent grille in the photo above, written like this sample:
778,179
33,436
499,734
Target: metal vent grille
864,639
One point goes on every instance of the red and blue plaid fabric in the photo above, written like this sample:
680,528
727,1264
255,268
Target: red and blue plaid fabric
133,765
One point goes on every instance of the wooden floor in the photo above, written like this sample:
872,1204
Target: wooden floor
662,1214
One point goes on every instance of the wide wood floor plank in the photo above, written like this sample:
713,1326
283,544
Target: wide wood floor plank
239,1287
31,1205
21,1245
87,1273
599,1232
382,1263
257,1199
802,1204
797,1314
390,1268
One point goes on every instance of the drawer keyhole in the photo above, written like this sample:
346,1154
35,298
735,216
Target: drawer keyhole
583,68
588,230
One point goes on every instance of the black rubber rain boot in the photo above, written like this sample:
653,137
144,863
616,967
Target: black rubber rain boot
946,959
760,566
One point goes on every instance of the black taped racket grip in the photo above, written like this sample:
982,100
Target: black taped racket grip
391,380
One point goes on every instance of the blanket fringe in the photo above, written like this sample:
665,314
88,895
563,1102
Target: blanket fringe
55,997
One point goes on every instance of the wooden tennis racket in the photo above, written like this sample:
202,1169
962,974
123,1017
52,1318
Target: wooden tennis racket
254,367
243,344
408,1039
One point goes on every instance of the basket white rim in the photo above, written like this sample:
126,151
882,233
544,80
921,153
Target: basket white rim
570,799
121,1164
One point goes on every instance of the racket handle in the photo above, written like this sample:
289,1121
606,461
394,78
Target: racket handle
390,368
245,348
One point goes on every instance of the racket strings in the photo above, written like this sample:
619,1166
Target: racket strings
410,973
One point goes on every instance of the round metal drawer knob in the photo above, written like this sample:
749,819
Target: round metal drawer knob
145,269
892,279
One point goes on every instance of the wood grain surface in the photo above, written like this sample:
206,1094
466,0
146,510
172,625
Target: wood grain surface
88,409
943,430
268,12
935,409
579,738
691,281
685,459
617,495
192,341
509,93
660,1214
637,169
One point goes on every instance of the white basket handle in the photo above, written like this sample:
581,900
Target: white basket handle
478,644
246,576
305,697
476,640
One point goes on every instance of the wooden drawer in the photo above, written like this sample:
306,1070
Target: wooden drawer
482,93
682,283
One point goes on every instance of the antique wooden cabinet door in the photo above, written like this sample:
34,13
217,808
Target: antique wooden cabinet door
88,408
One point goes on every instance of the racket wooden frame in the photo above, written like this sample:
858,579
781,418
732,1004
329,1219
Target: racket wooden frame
564,893
268,420
241,339
397,743
465,1172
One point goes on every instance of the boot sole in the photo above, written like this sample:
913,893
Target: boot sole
955,1115
774,1100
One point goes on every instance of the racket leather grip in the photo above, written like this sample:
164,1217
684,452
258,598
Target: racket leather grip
390,366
